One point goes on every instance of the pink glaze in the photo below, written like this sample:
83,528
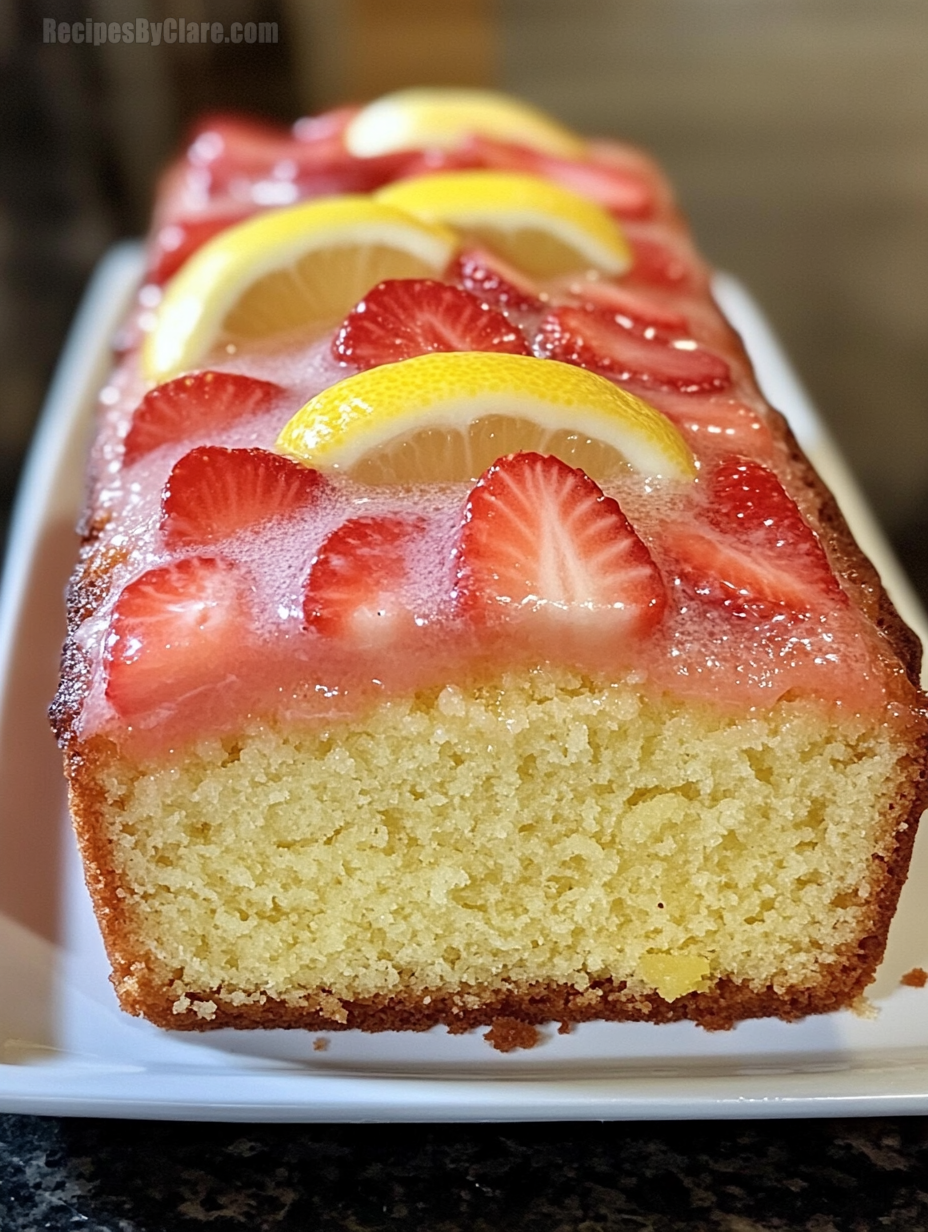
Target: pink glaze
735,661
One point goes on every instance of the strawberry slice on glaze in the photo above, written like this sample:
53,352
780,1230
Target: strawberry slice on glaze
657,264
618,189
752,551
176,630
602,341
639,313
405,317
717,423
495,282
235,144
359,579
176,241
212,493
275,166
540,541
622,189
190,405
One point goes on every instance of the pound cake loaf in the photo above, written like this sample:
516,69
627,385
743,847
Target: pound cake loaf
458,636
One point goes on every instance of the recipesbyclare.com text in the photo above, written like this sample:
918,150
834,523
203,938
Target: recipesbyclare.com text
154,33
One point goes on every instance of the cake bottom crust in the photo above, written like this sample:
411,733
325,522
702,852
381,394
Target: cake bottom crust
503,1009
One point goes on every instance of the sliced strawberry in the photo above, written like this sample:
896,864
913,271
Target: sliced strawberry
189,405
236,143
176,241
499,155
434,159
620,189
175,630
753,553
495,282
325,167
213,492
711,423
641,314
234,153
541,541
358,578
729,575
600,340
325,127
234,148
403,317
656,264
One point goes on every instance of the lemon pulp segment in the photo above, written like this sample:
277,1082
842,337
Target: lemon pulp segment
298,268
541,227
417,118
446,416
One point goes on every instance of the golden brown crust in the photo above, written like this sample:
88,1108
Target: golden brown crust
84,766
465,1009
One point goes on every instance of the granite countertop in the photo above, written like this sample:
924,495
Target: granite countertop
138,1176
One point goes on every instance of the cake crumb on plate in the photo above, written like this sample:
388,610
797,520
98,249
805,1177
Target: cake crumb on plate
508,1034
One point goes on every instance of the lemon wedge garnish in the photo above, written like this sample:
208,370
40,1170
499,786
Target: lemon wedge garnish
418,118
542,228
298,269
447,416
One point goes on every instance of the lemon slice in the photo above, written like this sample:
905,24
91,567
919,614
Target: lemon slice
447,416
412,119
294,269
542,228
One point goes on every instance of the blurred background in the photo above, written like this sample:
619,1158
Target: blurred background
796,132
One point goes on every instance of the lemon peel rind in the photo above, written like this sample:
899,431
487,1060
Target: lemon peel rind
443,118
348,420
509,201
204,291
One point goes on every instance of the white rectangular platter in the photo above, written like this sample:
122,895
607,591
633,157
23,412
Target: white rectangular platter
66,1048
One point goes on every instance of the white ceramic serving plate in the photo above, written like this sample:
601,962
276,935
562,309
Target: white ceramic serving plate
66,1049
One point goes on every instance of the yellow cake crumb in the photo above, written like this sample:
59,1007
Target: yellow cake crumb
542,828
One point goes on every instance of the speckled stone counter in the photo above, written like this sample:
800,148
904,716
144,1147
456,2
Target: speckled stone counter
117,1176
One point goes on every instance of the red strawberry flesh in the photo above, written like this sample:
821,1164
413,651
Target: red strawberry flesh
641,314
754,552
495,282
622,190
601,341
191,405
213,493
719,422
540,539
241,157
359,577
658,265
175,631
405,317
176,241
